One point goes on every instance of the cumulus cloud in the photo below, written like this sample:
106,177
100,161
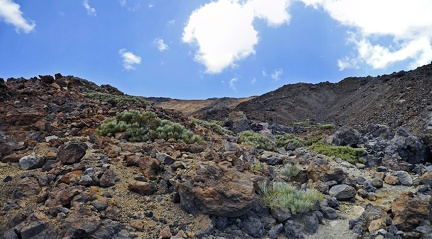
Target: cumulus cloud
10,12
276,75
253,80
129,59
223,31
123,2
90,11
407,23
160,44
232,83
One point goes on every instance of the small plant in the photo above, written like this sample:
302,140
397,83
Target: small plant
290,170
215,127
349,154
256,166
256,140
286,139
326,126
284,196
146,126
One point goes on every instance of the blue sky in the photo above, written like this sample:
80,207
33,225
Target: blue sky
196,49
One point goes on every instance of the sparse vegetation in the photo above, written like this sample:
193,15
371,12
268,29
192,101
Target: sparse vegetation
326,126
118,99
286,139
215,127
256,165
282,195
146,126
255,139
349,154
290,170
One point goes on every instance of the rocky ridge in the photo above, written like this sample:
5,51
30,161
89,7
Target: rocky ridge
60,180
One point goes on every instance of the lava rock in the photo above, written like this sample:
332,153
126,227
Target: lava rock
342,192
72,153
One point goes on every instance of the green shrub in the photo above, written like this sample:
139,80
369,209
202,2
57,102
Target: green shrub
284,196
215,127
349,154
256,165
290,170
326,126
286,139
146,126
118,99
256,140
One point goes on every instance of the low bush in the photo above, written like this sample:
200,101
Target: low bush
118,99
290,170
209,125
255,139
286,139
349,154
146,126
284,196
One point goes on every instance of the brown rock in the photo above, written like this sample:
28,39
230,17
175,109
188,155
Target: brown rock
72,153
46,78
202,225
150,166
217,190
409,211
165,233
317,169
72,177
24,116
392,180
143,188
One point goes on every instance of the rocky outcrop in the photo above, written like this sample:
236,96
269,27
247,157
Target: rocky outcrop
217,189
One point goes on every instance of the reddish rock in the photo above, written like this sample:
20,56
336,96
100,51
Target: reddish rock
24,116
392,180
217,190
409,211
72,153
150,166
143,188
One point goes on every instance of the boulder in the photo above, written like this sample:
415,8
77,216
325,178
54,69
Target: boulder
31,162
409,211
404,178
217,189
107,179
24,116
238,122
342,192
346,136
72,153
142,188
372,219
408,147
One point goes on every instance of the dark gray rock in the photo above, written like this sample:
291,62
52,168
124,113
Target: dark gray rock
275,231
221,223
346,136
310,222
408,147
164,158
11,234
377,182
107,179
33,229
72,153
342,192
252,226
281,214
293,230
329,213
404,178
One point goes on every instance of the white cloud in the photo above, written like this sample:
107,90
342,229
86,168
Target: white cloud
129,59
123,2
10,12
151,5
171,22
160,44
276,75
232,83
90,11
407,23
264,73
223,30
253,80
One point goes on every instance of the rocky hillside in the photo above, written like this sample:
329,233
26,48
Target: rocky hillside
85,161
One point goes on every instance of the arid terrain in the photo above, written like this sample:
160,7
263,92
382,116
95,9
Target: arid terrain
332,160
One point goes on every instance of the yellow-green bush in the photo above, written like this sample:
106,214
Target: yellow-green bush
118,99
146,126
290,170
285,139
346,153
282,195
256,140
